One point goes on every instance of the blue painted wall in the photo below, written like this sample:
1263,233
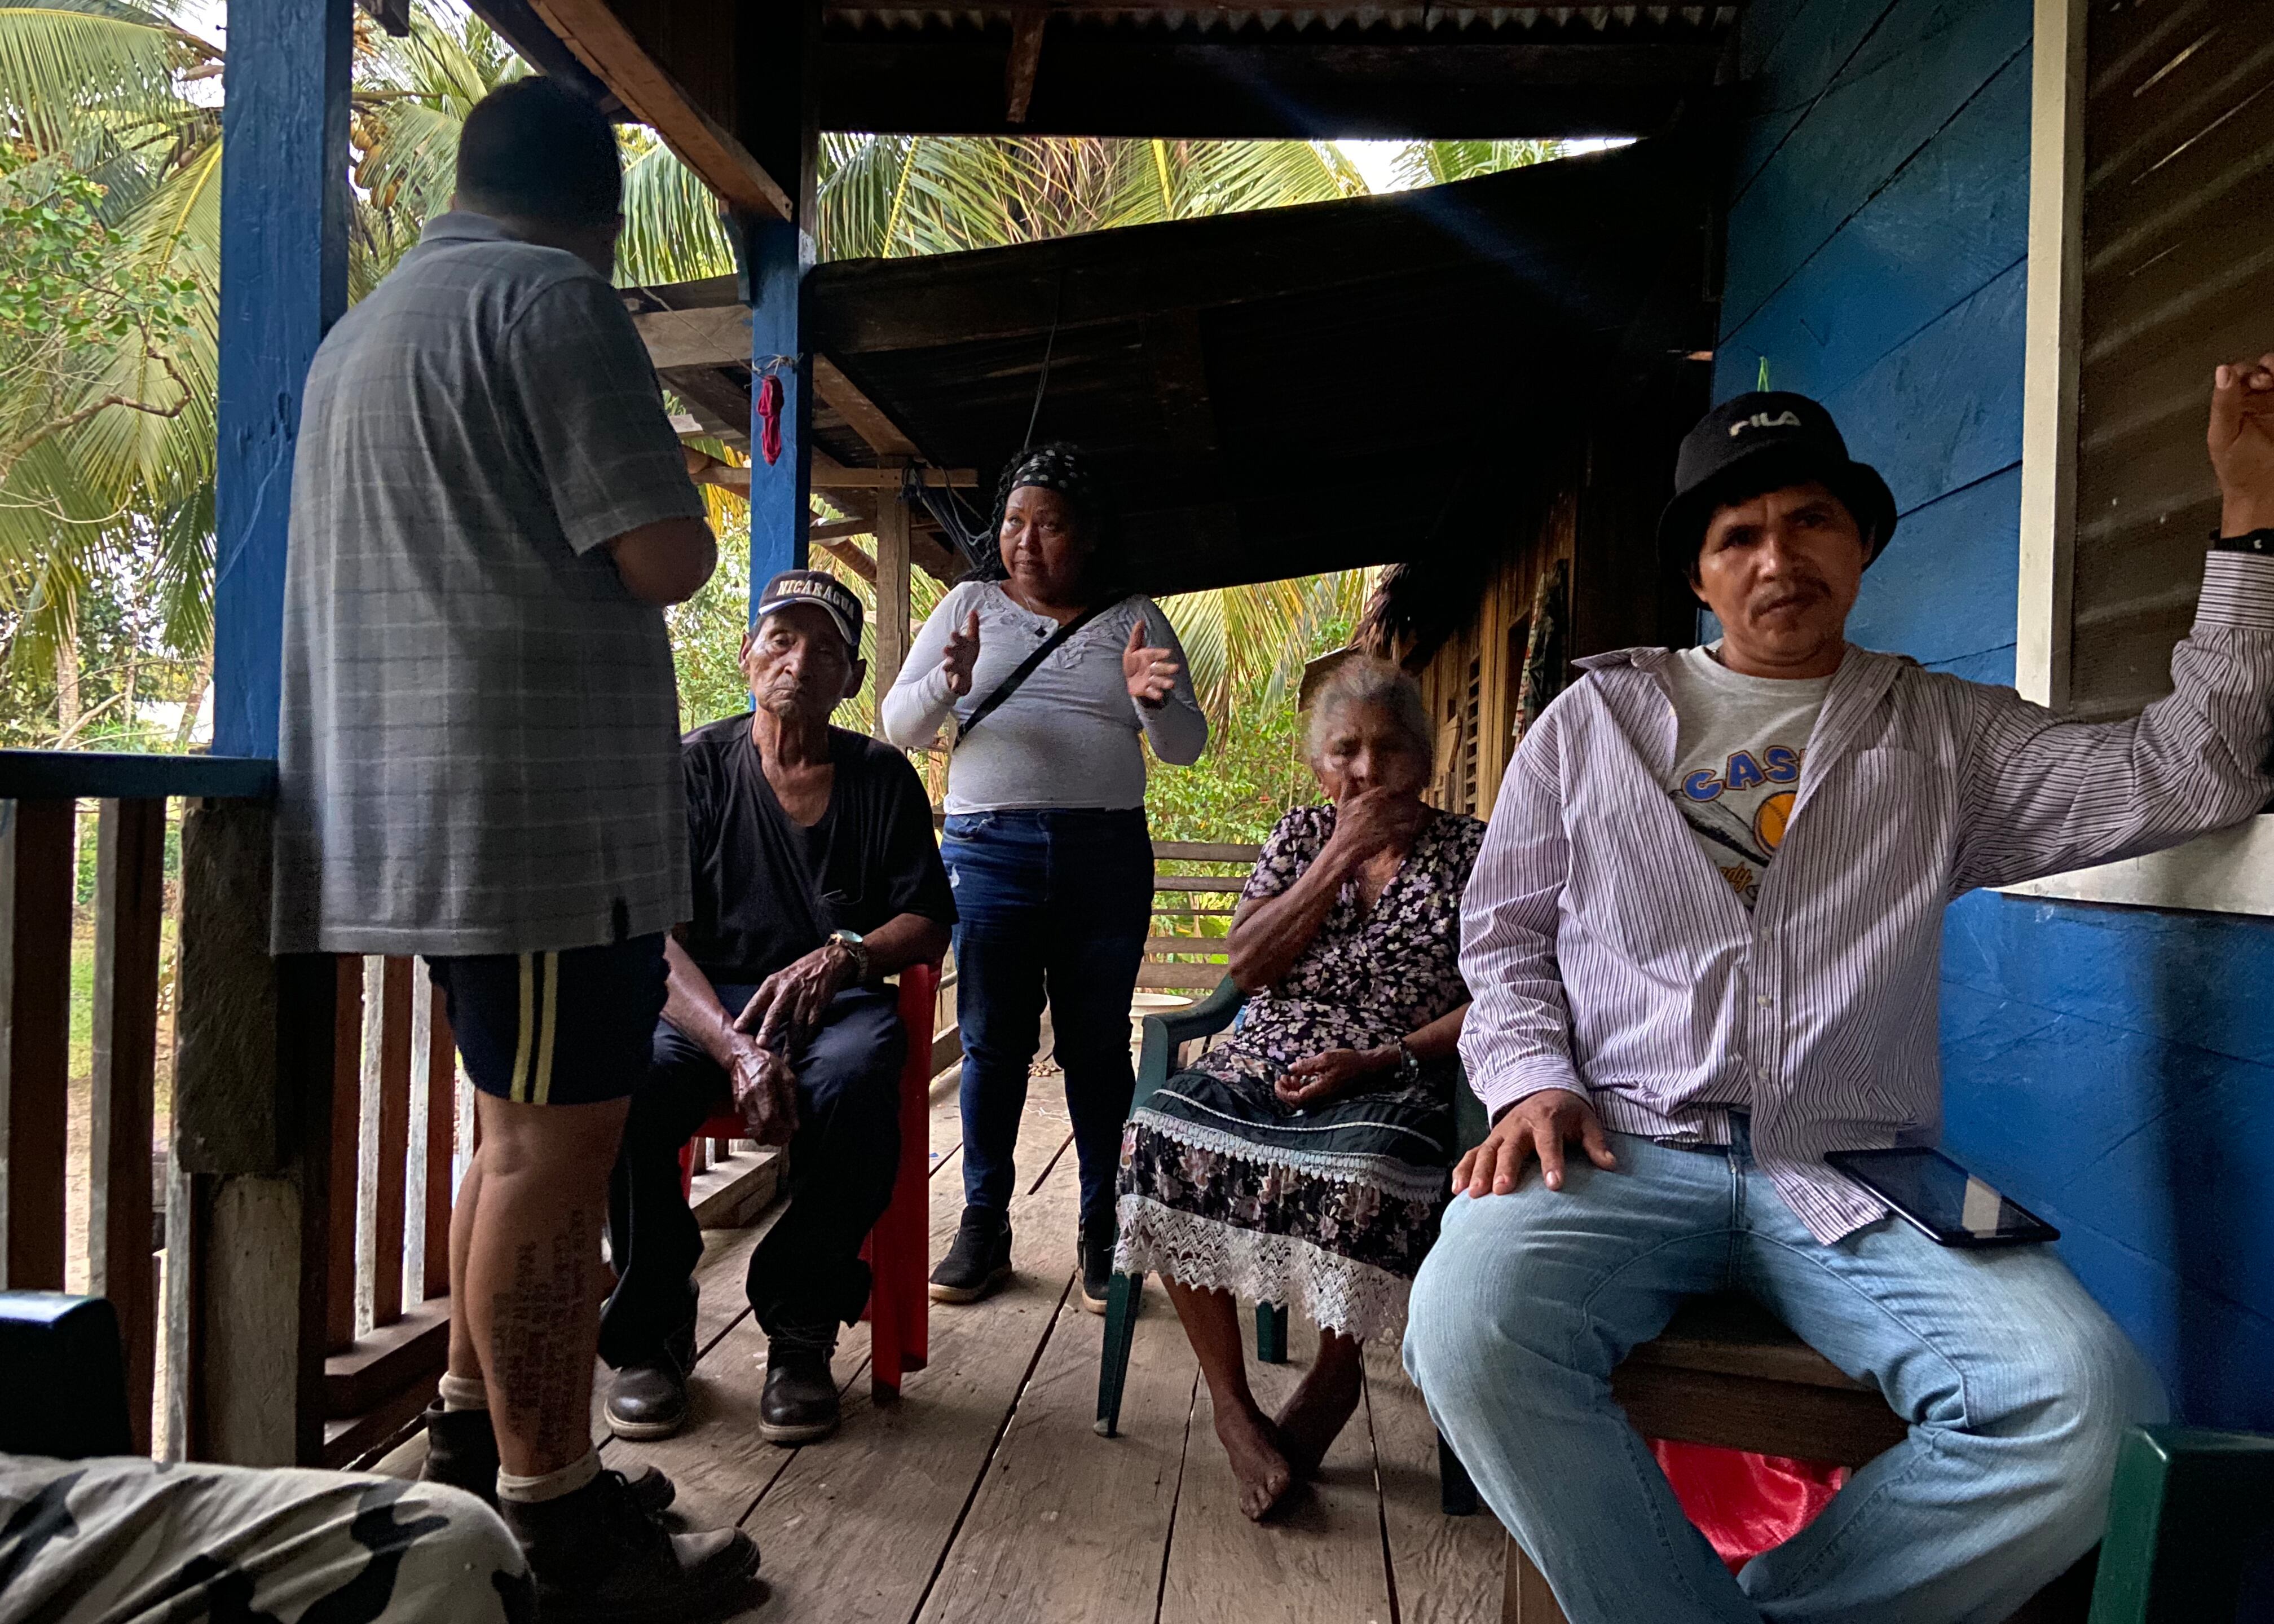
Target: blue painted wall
2113,1067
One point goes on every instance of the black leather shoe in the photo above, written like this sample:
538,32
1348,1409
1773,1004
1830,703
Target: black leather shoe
1093,1244
598,1557
649,1400
462,1452
977,1262
799,1405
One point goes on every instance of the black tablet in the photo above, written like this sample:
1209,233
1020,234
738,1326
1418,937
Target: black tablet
1941,1200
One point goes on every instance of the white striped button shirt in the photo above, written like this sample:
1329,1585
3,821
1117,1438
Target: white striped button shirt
1608,957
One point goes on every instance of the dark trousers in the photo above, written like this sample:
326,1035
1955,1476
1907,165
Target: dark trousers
1056,905
806,1278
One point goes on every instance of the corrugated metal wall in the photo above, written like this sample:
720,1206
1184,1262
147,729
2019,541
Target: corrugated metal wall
2179,276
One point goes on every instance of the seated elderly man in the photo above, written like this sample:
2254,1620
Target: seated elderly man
816,875
1303,1160
1704,938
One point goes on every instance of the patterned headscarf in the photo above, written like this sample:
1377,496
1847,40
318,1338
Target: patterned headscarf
1059,467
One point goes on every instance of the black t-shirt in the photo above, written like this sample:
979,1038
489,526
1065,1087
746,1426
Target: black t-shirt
767,890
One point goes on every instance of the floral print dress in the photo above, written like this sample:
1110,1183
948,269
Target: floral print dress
1330,1208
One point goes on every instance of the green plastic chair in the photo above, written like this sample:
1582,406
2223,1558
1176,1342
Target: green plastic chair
1165,1035
2190,1529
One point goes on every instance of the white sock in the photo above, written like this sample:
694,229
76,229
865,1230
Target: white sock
550,1485
464,1393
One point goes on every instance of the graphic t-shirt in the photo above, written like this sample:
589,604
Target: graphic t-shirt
1738,747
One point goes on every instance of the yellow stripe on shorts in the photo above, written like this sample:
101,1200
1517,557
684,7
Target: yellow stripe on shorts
518,1091
545,1028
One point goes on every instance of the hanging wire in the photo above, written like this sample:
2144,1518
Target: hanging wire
1049,347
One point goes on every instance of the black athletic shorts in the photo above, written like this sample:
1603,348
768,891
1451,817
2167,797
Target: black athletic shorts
568,1028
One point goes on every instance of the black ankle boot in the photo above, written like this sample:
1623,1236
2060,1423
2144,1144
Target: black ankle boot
979,1261
1094,1245
799,1404
598,1557
648,1400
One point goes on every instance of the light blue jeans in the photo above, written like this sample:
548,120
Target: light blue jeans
2017,1385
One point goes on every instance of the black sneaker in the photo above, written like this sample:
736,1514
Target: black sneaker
799,1405
462,1453
979,1261
1094,1245
598,1559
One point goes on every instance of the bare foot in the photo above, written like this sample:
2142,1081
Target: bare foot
1257,1461
1316,1412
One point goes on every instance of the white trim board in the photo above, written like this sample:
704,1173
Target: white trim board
2227,873
2231,872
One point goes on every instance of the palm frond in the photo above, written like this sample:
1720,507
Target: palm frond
67,65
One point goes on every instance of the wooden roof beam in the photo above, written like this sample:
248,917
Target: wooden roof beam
862,415
650,93
1026,61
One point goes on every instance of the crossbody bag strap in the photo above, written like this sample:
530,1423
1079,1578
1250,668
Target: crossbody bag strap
1027,667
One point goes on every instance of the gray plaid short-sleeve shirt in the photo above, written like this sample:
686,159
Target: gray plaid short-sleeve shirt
479,732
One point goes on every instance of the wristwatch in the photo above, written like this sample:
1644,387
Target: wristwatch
850,941
2260,541
1409,1064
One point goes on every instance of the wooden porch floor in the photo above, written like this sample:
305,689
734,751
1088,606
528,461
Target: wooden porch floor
985,1493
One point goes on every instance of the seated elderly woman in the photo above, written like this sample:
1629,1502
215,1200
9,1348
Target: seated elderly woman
1303,1160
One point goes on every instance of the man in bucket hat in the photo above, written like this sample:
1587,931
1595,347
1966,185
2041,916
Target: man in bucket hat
816,876
1703,939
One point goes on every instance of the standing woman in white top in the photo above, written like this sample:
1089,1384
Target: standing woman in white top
1046,845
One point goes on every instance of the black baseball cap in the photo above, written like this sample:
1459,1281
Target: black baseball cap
1762,442
824,591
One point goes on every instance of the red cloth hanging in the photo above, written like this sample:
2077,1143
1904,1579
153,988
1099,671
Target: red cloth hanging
1745,1504
770,409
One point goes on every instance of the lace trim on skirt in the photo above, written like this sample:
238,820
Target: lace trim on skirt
1335,1293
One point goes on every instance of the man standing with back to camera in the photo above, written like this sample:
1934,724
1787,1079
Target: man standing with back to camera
479,764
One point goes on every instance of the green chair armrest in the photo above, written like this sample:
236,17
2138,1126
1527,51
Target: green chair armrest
1470,1121
1163,1033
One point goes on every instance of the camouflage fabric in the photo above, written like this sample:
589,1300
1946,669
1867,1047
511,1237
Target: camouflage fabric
142,1542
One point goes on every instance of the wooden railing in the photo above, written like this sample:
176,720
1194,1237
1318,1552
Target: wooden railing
306,1137
1196,885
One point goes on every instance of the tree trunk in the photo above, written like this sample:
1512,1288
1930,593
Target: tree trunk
67,682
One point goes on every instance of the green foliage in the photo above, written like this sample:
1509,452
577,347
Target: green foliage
1433,163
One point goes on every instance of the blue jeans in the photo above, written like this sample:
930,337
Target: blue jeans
1050,904
2017,1385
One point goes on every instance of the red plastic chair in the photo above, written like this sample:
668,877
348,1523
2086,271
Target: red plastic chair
899,1312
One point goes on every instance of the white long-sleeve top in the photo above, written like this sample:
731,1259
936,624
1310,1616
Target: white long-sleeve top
1068,737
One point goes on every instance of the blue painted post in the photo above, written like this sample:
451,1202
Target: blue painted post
778,254
283,282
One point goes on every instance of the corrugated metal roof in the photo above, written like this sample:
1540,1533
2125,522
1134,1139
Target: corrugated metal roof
1202,20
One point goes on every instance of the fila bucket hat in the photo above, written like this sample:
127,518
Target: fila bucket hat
1759,443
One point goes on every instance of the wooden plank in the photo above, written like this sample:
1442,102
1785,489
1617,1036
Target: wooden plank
838,529
1739,1412
1024,63
1067,1524
862,415
892,586
35,908
1217,945
1526,1599
129,902
346,1153
863,1520
846,554
1320,1559
1205,850
829,475
1175,884
1447,1569
442,1090
602,43
737,1187
710,335
413,1347
1191,977
389,1066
